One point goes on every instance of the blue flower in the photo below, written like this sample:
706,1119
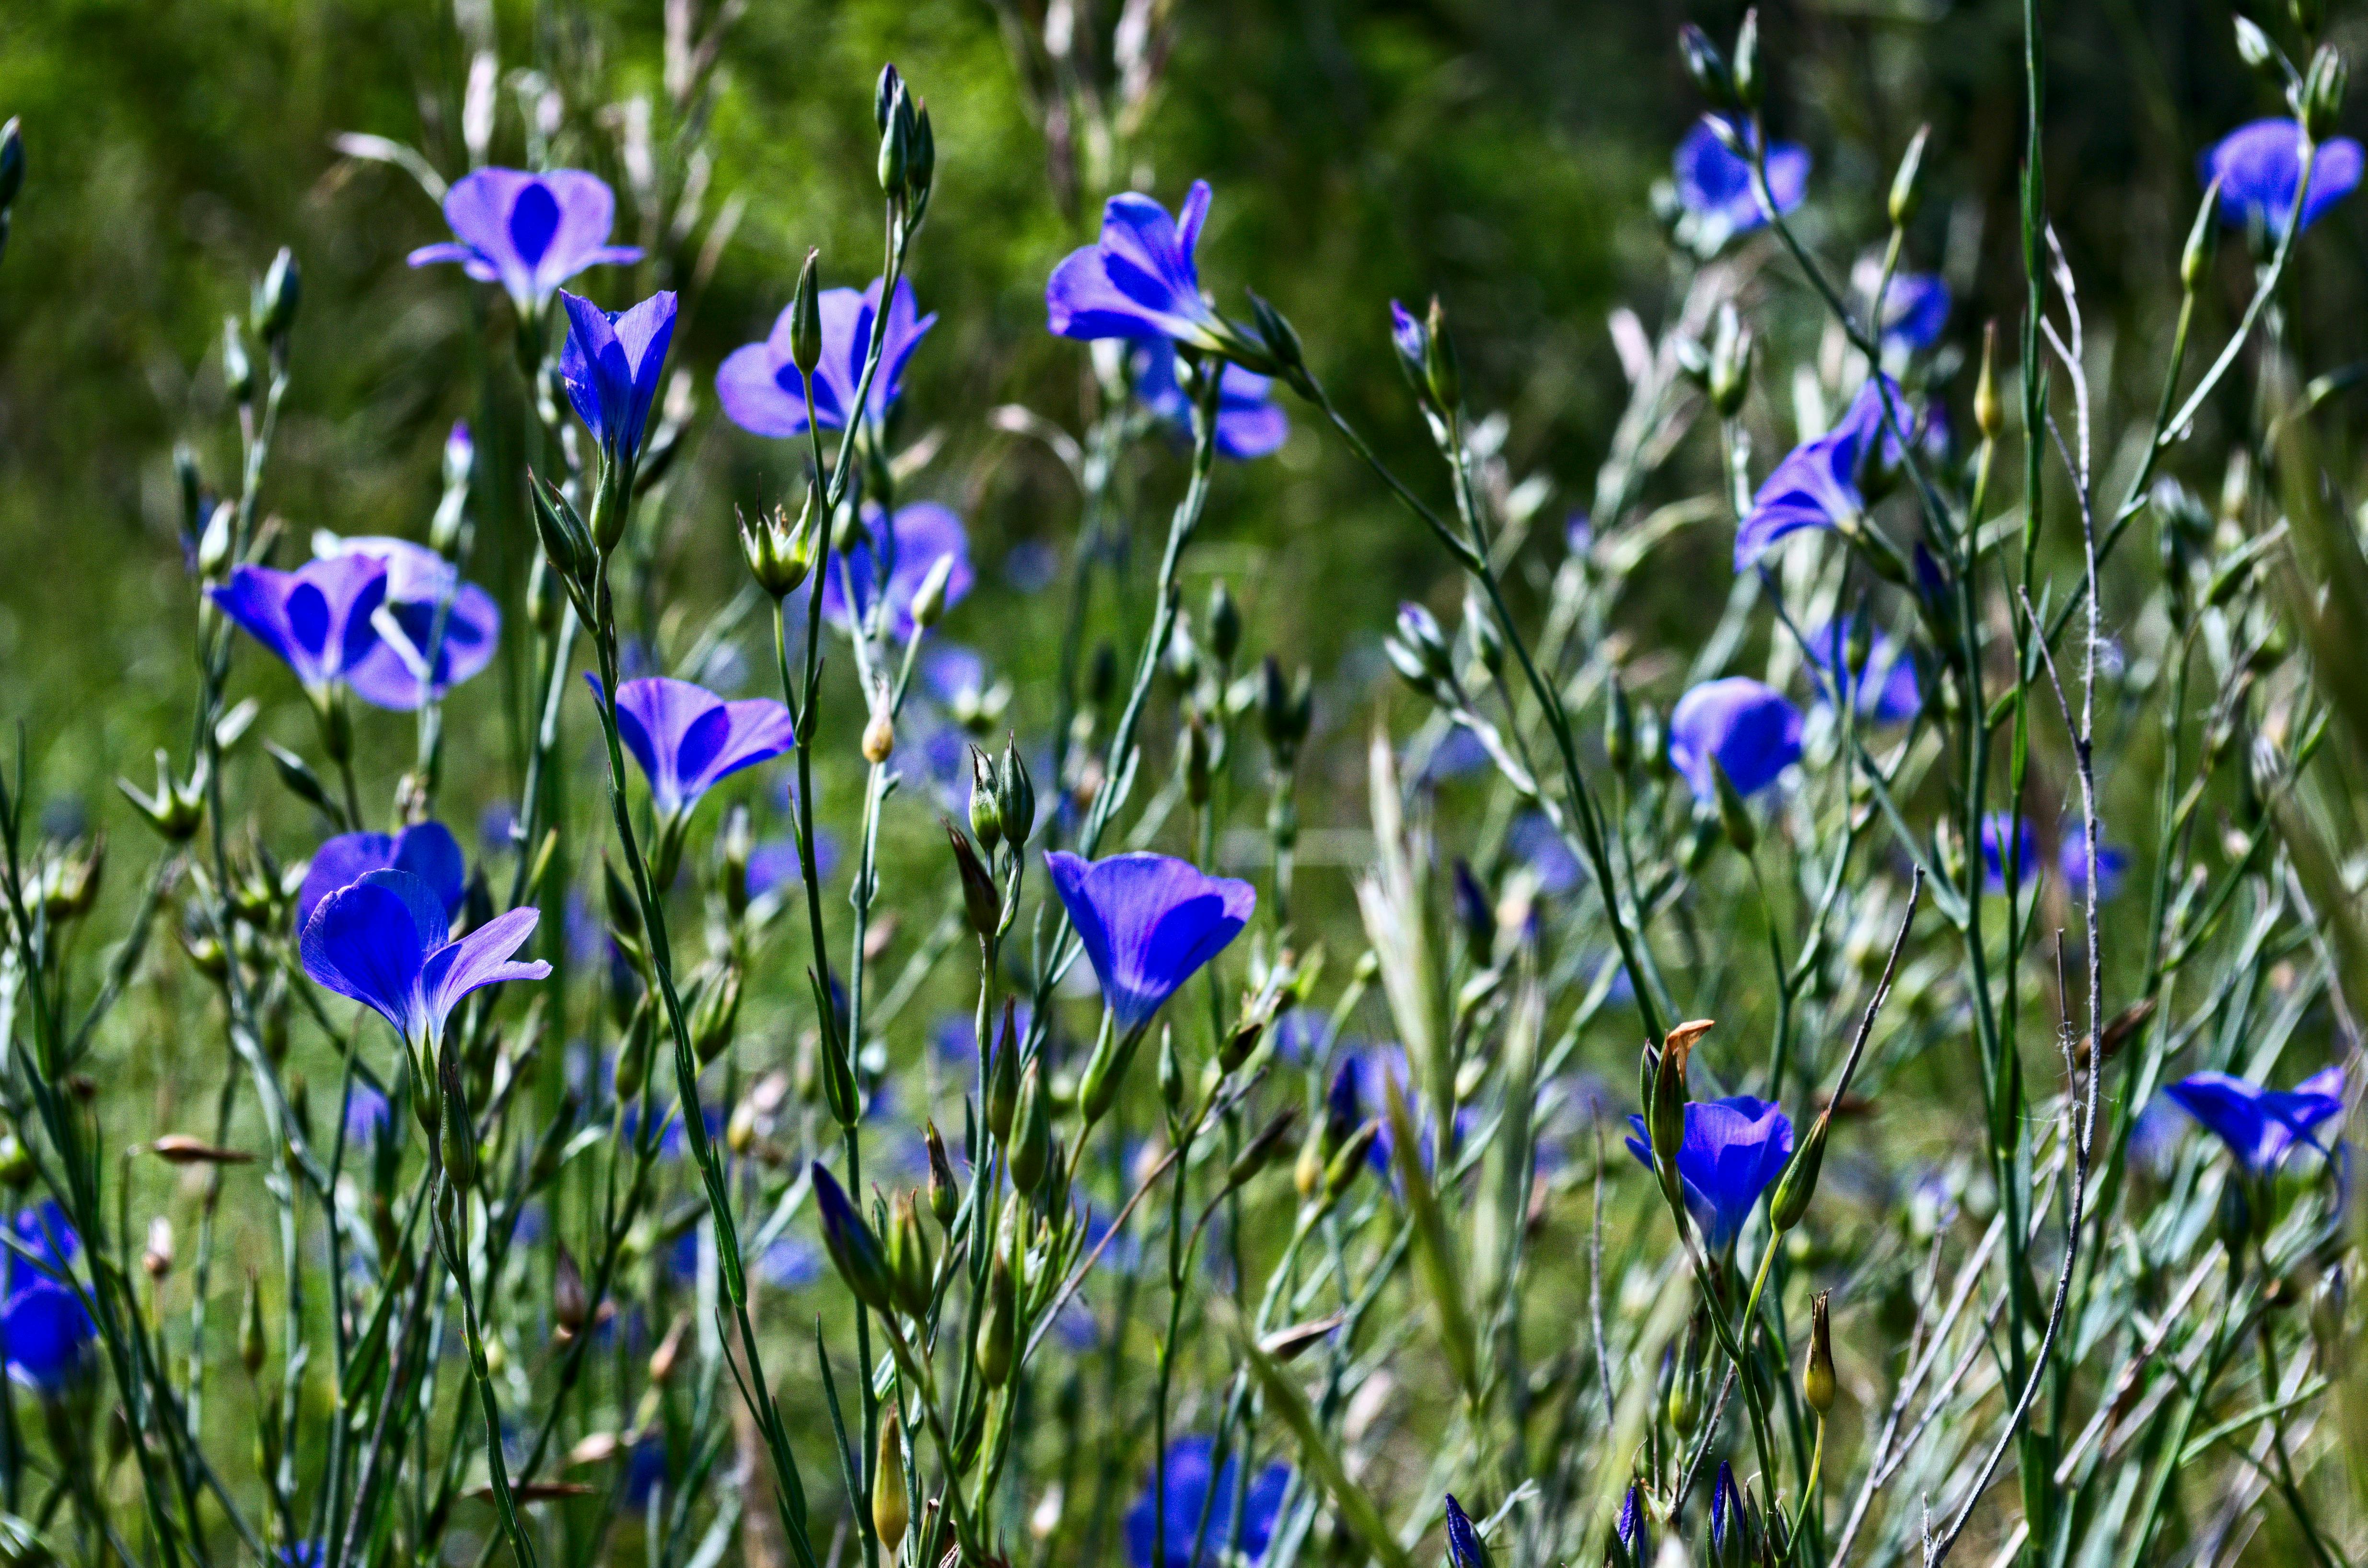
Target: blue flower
2154,1136
1815,486
1733,1149
421,588
44,1332
910,544
2072,860
954,1035
1139,283
1249,425
1536,842
645,1472
316,618
1635,1540
790,1263
763,393
528,232
427,850
1915,310
1995,854
610,367
1884,682
1744,725
1189,1488
687,739
1715,186
2261,1126
368,1116
1148,923
384,942
2260,165
775,864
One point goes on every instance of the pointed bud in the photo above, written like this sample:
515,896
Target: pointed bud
2322,93
570,1307
908,1256
1342,1168
716,1017
1463,1548
2203,240
1817,1377
981,900
1908,181
945,1198
238,371
1749,86
929,598
1261,1151
251,1349
1225,623
985,811
1619,726
891,1508
1014,797
1734,815
1003,1078
1172,1087
273,308
1440,370
1705,67
1032,1138
1799,1182
997,1333
1989,416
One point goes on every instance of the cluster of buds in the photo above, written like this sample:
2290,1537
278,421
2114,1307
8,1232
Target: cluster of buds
909,149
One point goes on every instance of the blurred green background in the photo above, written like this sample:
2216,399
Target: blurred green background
1499,152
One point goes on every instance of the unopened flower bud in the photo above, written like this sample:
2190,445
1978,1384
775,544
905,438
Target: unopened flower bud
1003,1078
1799,1182
2203,240
997,1333
1031,1137
251,1348
985,810
1908,181
850,1242
1441,371
880,736
1817,1377
2322,93
982,901
1734,815
1260,1150
571,1308
908,1256
1749,86
274,307
945,1198
891,1508
1705,67
929,598
1225,623
716,1017
1989,415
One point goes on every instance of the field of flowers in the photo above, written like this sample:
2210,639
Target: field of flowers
648,1016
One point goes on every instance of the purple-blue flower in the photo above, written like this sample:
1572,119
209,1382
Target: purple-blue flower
1248,425
1635,1540
763,393
685,739
1733,1149
1463,1540
776,864
1139,282
316,618
1148,923
1746,726
1189,1489
910,545
1915,310
2261,1126
1816,485
611,366
385,942
2259,165
419,583
2072,861
427,850
45,1334
1996,857
1715,185
1883,684
1538,844
368,1116
1725,1507
528,232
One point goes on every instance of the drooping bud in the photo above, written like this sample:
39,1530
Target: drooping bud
982,901
850,1242
1817,1377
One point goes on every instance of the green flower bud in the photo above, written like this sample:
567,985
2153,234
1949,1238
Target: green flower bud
1908,181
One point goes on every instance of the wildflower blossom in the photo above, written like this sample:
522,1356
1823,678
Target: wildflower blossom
1883,684
1192,1489
1715,185
1148,923
316,619
1744,725
2258,165
1996,830
1817,485
687,739
530,233
45,1332
1915,310
1139,282
763,393
2261,1126
611,364
425,602
384,942
1248,423
427,850
910,545
1732,1150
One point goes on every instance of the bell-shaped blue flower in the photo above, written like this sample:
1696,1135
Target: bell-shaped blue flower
1140,282
1248,423
763,393
1732,1150
385,942
528,232
1746,726
1148,923
1191,1488
45,1334
1715,186
316,618
1882,687
611,364
909,545
2259,168
422,588
687,739
2261,1126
